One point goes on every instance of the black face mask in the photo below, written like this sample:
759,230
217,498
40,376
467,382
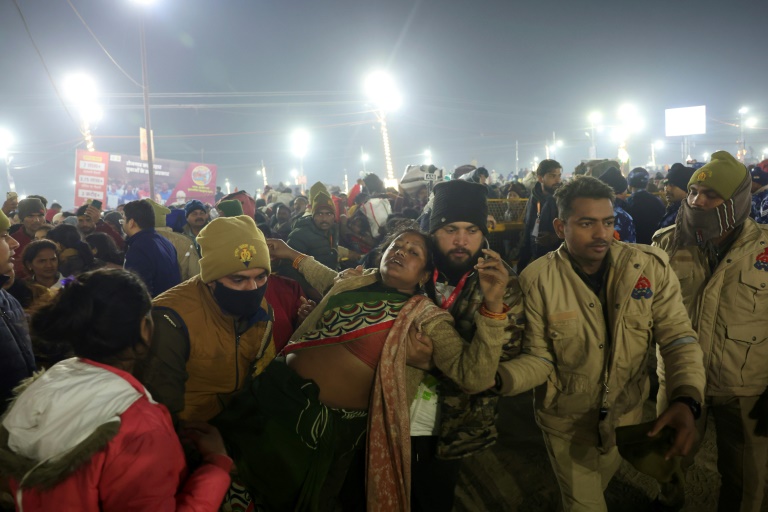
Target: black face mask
239,303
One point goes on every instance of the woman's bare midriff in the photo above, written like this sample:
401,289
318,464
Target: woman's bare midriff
345,382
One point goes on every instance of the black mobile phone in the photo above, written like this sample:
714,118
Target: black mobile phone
96,204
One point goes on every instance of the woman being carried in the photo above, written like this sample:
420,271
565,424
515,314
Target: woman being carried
310,410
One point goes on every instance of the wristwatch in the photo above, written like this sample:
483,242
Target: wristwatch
692,404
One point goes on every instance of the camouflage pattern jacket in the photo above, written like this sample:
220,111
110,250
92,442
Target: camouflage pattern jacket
468,422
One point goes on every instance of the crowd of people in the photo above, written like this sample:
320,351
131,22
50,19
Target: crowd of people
347,350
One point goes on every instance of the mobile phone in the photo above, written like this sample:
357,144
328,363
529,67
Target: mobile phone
96,204
12,195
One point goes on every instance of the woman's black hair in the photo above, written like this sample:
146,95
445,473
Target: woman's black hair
413,228
68,237
105,247
98,313
33,249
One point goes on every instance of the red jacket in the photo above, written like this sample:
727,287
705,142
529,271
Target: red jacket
284,295
24,239
142,468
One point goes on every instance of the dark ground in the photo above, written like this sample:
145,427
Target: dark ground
515,475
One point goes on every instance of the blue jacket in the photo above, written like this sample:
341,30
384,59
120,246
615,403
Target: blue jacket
624,225
670,215
153,258
16,359
760,207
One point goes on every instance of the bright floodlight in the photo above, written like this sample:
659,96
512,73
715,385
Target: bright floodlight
751,122
743,110
365,157
80,89
428,157
706,156
559,143
300,143
630,118
294,173
381,90
6,141
595,117
658,144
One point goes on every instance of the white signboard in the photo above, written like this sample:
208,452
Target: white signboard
686,121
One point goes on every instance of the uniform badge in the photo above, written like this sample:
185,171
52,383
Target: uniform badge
245,253
703,175
761,262
642,289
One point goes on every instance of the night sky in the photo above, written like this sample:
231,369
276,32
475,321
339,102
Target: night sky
231,79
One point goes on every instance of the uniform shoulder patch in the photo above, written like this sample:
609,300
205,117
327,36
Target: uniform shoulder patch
642,289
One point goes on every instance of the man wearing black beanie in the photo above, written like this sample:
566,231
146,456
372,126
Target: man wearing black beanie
675,190
464,424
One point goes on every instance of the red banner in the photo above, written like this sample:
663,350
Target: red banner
91,171
118,179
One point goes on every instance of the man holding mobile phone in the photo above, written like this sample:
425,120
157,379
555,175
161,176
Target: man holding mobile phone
89,221
11,203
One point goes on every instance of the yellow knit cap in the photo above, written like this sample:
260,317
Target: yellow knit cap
160,213
229,245
4,222
320,197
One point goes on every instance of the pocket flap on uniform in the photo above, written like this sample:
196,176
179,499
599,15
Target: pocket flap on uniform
562,330
756,279
749,332
638,322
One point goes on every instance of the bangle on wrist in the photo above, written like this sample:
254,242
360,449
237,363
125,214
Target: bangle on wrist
490,314
297,261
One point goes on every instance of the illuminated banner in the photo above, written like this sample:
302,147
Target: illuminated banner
126,178
685,121
91,168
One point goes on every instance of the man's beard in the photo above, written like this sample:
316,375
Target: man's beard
454,270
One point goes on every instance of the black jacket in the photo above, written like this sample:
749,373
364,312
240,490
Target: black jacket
647,211
308,239
16,359
542,206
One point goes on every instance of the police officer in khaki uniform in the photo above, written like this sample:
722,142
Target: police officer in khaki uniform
592,308
720,256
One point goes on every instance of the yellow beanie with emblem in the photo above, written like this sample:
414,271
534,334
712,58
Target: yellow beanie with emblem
723,174
229,245
160,213
319,197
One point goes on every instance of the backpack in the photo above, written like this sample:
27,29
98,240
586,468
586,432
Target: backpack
376,210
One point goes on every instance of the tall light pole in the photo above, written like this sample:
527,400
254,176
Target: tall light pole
595,118
145,89
381,90
742,146
656,145
364,157
300,145
6,141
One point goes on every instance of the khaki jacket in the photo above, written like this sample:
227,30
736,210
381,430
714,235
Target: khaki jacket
728,308
199,356
186,254
567,340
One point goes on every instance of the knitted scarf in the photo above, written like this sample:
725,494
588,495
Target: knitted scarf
697,227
